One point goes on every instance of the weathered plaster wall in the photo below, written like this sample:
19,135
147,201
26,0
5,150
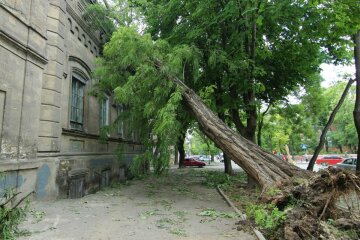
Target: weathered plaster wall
22,53
42,44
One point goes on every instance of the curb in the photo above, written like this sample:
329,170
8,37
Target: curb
257,233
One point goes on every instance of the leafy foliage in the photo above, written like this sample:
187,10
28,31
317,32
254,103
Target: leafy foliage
200,144
11,217
266,216
128,69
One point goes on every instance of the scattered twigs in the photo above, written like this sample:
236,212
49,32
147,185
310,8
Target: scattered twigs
354,182
21,200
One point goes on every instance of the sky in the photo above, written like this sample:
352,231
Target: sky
332,73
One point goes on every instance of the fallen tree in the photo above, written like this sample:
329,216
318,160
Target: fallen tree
264,167
308,198
136,69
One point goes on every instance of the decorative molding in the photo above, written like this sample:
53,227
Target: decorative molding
75,133
23,47
22,20
82,63
82,24
7,166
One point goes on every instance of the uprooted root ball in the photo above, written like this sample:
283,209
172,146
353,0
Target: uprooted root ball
321,208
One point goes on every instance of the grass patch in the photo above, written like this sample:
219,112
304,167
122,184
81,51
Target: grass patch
213,179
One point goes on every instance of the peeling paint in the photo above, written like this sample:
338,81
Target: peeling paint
11,180
43,176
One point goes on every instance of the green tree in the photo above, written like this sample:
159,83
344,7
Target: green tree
343,132
249,50
202,145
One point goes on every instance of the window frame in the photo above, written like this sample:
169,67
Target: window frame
77,120
102,103
120,122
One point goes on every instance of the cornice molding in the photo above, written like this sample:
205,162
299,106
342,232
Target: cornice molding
82,63
26,49
82,24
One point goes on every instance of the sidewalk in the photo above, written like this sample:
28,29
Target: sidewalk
156,208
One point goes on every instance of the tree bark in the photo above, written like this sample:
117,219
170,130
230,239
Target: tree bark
227,161
265,168
176,160
328,125
227,164
261,124
181,149
357,99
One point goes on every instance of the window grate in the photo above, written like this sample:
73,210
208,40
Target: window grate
77,187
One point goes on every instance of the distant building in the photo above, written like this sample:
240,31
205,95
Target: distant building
49,124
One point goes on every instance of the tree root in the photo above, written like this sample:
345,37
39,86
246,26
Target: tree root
315,200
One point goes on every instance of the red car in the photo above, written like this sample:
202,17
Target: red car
193,162
329,160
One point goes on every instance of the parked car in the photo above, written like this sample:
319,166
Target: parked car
204,158
349,164
329,160
193,162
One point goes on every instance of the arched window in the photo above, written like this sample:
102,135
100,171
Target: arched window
78,105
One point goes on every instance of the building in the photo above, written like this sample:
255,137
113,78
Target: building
49,124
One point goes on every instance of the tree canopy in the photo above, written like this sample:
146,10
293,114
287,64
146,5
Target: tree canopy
236,56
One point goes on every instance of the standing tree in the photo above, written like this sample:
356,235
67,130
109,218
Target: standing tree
249,50
357,101
327,126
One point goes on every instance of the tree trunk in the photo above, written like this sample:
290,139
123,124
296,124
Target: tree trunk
227,164
227,161
265,168
328,125
357,100
181,149
261,124
176,160
340,148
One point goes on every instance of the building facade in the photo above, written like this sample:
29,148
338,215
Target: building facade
49,124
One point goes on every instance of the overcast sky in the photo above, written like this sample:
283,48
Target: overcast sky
332,73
